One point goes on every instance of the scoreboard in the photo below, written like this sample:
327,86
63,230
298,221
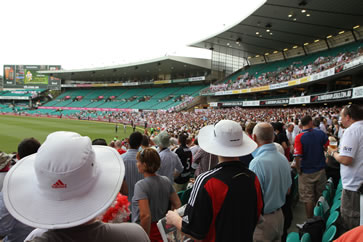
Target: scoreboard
27,76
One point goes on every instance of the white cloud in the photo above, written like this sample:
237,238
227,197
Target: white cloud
78,33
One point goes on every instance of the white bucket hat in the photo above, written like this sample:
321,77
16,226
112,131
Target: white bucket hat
226,139
68,182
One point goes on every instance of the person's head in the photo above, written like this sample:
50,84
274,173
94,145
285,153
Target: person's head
70,181
249,128
307,122
263,133
162,140
316,122
278,127
182,139
148,161
112,144
290,127
99,141
118,144
145,141
226,140
351,114
196,141
135,140
27,147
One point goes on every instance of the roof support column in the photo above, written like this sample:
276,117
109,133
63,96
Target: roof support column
283,54
354,36
264,57
306,53
327,43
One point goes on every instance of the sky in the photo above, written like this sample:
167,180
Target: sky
85,34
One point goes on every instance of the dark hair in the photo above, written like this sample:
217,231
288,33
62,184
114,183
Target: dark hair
196,141
183,139
135,140
145,141
306,120
249,127
354,111
278,126
316,122
27,147
150,157
99,141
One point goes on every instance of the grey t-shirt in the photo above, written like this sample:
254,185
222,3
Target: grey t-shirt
157,190
96,232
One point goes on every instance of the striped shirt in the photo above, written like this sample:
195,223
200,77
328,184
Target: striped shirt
132,174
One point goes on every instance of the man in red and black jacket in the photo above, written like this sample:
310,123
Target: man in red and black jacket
226,202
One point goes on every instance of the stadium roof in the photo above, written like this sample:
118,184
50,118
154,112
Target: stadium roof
283,24
138,70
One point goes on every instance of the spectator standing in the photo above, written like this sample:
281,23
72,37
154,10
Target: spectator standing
204,161
65,186
152,194
310,163
282,139
170,164
118,147
11,229
350,157
5,163
132,175
273,171
297,129
226,202
290,134
322,125
186,157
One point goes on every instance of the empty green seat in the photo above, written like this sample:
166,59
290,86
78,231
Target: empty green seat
329,234
333,217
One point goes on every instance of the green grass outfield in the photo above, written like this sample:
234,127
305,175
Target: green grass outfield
14,129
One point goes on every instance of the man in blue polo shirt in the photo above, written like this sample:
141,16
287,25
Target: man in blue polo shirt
273,171
310,163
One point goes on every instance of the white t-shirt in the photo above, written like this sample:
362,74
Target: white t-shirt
352,145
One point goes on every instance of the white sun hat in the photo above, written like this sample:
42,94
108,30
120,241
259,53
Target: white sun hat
68,182
226,139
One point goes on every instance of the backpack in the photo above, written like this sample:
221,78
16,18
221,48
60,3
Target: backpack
315,226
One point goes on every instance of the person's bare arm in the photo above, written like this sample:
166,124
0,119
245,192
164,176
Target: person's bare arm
298,163
175,201
145,215
344,160
284,145
173,218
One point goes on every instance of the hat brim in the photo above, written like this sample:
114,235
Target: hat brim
24,201
158,142
208,142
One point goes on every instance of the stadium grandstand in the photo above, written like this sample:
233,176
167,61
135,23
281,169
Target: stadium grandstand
287,69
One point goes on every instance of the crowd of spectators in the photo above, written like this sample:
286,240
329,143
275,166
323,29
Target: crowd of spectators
294,71
239,163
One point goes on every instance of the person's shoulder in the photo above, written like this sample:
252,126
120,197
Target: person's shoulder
164,179
126,232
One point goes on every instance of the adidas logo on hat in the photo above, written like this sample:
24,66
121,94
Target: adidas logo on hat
59,184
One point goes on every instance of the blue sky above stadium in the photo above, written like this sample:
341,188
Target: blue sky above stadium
82,34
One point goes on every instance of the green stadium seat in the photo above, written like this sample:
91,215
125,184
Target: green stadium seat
333,217
329,234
